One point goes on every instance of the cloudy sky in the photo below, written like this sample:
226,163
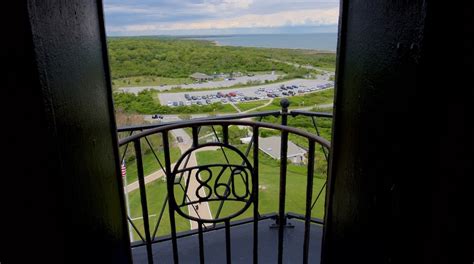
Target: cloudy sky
205,17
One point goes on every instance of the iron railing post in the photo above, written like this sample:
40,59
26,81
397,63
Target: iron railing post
171,202
309,198
283,156
141,182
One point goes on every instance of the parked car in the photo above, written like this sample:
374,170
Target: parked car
157,116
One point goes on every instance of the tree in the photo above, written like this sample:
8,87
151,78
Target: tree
235,134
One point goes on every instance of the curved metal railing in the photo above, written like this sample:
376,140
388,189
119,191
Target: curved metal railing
212,189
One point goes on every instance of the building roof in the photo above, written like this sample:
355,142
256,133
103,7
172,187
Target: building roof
198,75
271,146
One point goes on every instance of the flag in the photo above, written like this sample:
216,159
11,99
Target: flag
124,169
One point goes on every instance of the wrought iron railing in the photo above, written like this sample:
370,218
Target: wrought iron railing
241,184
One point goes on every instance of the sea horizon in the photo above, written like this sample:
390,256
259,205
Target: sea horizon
326,42
309,41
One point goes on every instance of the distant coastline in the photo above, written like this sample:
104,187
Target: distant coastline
321,42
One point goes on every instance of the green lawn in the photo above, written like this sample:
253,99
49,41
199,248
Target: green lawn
150,164
298,101
269,171
156,193
250,105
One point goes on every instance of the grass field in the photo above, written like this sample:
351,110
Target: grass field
150,164
156,193
250,105
298,101
269,171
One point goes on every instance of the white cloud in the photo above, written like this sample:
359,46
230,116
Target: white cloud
308,17
219,6
124,9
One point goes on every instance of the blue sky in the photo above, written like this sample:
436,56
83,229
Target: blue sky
208,17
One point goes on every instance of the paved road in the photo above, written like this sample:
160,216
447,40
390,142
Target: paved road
210,84
175,118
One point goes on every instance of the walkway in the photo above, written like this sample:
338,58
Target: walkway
150,178
202,210
258,107
236,108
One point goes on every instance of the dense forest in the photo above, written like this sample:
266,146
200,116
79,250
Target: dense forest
178,58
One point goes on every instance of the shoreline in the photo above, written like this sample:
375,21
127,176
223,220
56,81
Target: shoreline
218,44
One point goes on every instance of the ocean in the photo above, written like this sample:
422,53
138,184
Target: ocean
314,41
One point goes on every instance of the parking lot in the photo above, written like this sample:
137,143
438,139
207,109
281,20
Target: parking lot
261,92
210,84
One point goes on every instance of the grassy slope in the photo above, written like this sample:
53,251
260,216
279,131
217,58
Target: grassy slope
156,193
150,164
298,101
250,105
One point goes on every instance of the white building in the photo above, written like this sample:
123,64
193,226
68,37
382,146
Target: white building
271,147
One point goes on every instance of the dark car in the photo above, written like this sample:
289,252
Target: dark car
179,139
157,116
